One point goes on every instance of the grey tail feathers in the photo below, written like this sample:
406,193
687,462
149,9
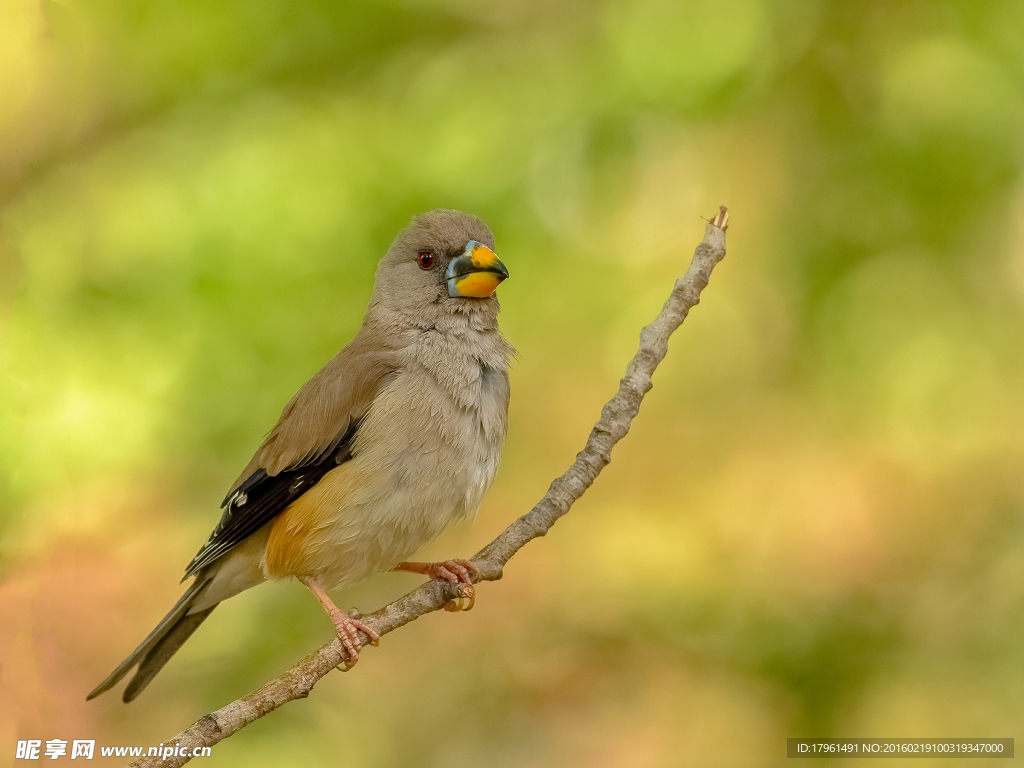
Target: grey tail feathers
162,643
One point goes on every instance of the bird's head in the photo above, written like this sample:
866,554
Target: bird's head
444,260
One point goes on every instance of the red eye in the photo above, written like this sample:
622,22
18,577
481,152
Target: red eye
426,259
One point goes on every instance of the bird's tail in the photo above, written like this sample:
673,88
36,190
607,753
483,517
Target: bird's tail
162,643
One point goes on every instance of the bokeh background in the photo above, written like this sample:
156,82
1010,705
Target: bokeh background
816,524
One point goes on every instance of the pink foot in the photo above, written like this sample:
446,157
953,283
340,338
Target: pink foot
348,629
452,571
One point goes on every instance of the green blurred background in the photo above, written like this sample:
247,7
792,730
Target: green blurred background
816,524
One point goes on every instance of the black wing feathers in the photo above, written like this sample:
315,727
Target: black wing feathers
262,497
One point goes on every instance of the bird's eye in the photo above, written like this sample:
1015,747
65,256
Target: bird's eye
425,260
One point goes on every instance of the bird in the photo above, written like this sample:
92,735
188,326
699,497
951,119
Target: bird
394,439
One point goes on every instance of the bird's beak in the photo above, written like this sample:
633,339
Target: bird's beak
476,273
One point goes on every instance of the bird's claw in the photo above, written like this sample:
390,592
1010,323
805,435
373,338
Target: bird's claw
348,635
468,593
453,572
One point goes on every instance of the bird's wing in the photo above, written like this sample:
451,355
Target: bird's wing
313,436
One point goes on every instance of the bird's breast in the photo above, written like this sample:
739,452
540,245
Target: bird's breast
424,457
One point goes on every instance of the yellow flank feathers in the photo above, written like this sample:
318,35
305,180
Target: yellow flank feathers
295,544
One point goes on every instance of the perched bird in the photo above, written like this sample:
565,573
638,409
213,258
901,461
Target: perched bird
394,439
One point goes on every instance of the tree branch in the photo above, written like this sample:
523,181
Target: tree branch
613,425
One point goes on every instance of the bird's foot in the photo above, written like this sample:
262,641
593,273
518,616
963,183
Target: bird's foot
347,627
452,571
348,630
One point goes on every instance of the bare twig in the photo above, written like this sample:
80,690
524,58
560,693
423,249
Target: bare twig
613,425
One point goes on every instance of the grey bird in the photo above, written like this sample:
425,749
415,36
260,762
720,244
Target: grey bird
393,440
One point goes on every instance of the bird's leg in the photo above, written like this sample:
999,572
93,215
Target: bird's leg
348,629
452,571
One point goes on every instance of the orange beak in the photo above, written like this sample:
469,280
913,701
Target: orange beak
476,273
